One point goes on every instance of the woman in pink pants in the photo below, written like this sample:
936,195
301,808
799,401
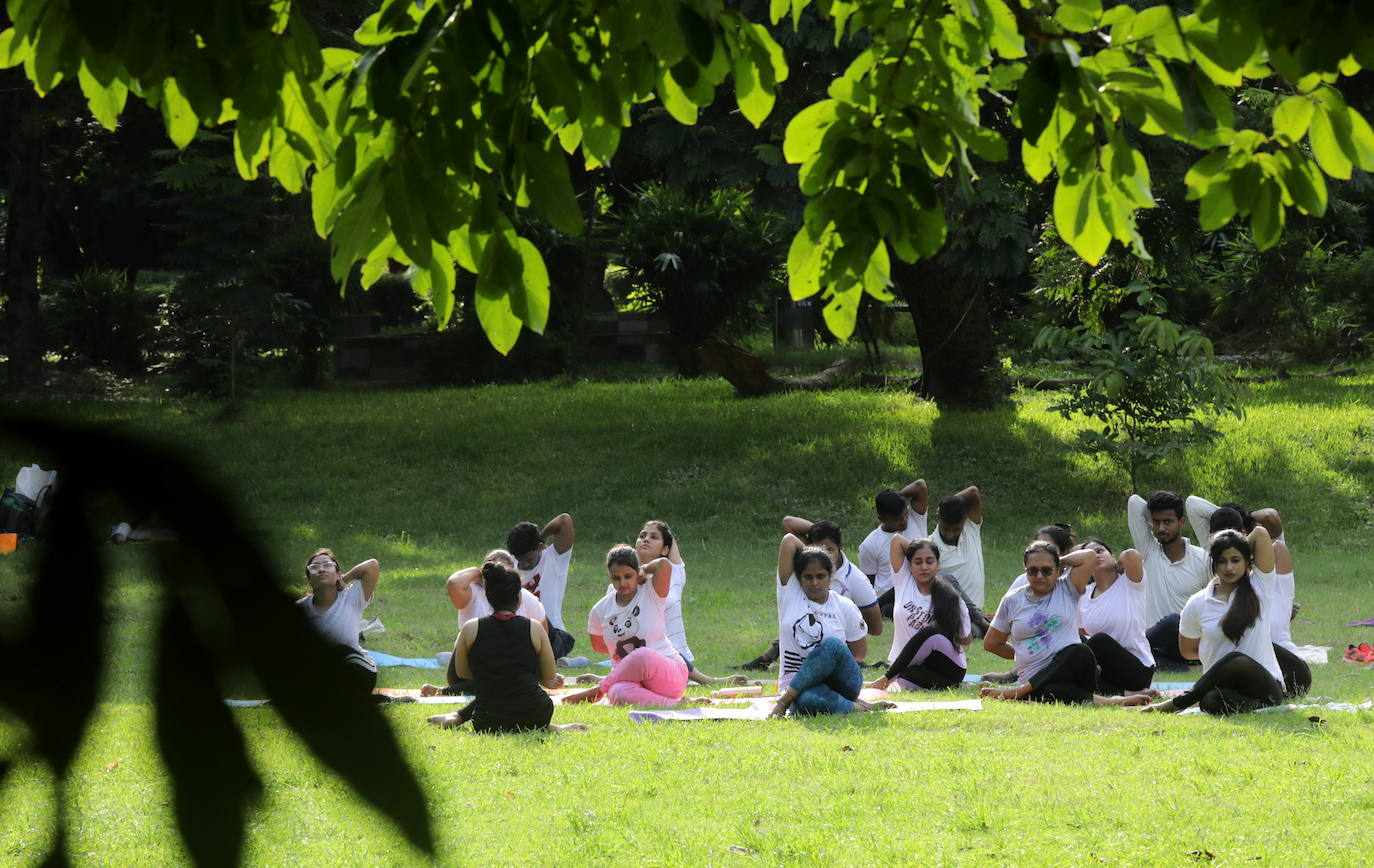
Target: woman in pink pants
628,623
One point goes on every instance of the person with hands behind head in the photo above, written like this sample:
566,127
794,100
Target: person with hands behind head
1111,616
543,568
1037,627
333,603
628,623
821,634
1226,626
930,621
509,661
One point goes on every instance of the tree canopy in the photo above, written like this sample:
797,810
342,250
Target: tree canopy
418,146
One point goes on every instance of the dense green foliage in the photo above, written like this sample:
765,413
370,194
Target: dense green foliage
415,147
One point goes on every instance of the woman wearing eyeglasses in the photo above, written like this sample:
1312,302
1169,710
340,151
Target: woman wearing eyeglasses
1037,626
334,605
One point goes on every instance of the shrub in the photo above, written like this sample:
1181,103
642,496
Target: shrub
711,264
100,318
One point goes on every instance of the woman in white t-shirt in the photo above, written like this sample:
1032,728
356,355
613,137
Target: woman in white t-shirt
628,623
930,621
656,540
1111,616
1037,627
821,636
1226,626
334,605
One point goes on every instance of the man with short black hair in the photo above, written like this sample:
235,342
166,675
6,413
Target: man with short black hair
543,570
1175,569
902,512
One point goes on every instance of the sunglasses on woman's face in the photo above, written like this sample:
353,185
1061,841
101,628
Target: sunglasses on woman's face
1039,571
321,566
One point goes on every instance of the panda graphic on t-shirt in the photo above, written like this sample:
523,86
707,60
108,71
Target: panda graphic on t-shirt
625,627
808,631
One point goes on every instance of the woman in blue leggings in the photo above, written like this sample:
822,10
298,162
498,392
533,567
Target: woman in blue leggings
821,636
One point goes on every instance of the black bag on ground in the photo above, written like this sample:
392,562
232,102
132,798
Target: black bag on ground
18,514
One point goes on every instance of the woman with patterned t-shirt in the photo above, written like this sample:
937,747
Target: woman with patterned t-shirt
821,635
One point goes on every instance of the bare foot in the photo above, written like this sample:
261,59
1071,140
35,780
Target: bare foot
738,680
1161,707
451,720
430,690
880,705
591,695
589,678
697,700
1148,692
1000,677
879,683
1009,693
1126,700
567,727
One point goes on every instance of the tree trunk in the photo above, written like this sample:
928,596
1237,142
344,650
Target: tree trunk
958,351
25,204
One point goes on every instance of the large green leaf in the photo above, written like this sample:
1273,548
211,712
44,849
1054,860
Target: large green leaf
1292,117
500,272
106,101
1326,148
177,114
806,130
549,187
1037,93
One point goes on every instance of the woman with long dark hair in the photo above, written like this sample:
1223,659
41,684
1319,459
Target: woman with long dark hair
930,621
1226,626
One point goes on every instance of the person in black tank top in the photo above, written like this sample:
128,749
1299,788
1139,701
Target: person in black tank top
509,660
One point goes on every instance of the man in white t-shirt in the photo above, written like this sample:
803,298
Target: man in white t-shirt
1175,569
959,537
846,580
543,569
902,512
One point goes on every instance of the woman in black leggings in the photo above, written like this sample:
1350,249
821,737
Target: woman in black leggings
1112,618
1037,627
933,657
1226,625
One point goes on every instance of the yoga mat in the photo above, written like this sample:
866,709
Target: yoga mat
759,708
1367,622
1314,654
1367,705
382,659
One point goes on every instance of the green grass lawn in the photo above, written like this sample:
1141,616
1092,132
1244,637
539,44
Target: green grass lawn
428,480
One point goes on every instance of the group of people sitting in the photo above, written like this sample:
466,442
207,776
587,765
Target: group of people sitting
1082,624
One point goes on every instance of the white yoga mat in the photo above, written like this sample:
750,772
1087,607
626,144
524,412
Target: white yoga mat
759,708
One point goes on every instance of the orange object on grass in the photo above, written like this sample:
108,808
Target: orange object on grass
8,542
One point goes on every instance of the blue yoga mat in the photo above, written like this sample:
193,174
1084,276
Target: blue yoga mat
414,662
